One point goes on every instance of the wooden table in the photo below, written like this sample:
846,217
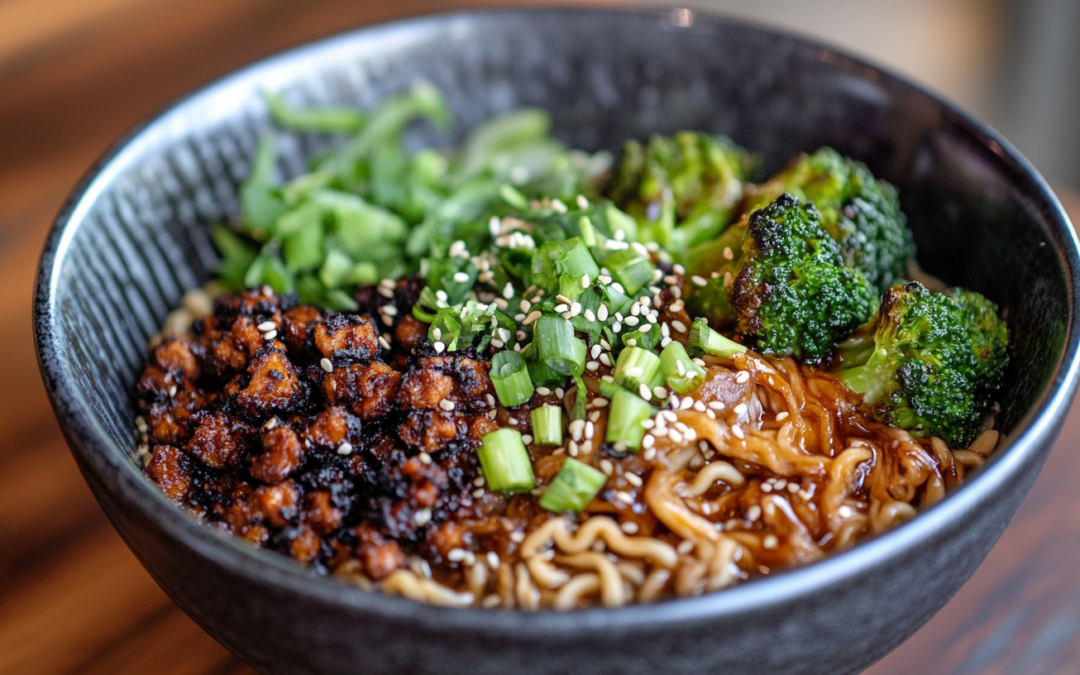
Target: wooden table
74,74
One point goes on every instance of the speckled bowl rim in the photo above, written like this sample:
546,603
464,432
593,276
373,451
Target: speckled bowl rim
113,469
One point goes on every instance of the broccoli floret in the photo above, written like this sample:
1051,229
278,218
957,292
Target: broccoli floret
861,212
682,189
779,276
935,363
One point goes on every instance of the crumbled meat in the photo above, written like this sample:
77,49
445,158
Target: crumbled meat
410,332
424,389
218,440
273,387
297,326
369,391
282,452
345,338
379,555
167,469
429,431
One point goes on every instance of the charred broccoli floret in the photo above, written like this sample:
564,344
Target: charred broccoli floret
682,189
780,277
861,212
934,363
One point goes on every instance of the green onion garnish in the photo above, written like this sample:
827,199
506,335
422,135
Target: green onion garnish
547,425
628,411
681,374
557,347
631,269
637,367
573,488
506,464
704,340
511,378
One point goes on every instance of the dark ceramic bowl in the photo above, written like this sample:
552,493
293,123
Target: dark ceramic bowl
133,237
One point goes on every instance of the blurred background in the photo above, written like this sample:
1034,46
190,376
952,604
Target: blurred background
76,74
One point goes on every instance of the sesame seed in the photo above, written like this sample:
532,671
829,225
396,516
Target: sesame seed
645,329
266,326
650,454
533,316
728,255
384,342
643,390
631,321
698,281
344,448
490,399
389,310
753,513
455,555
478,481
386,292
602,313
616,327
780,417
478,493
699,362
675,436
605,359
592,366
590,430
699,406
669,416
513,421
766,487
599,402
742,377
439,347
770,542
441,295
517,537
631,342
679,326
633,479
740,409
493,560
665,342
737,430
326,365
685,547
560,308
559,392
425,458
526,439
585,281
572,448
624,497
446,404
629,527
659,392
844,511
793,488
172,391
270,335
498,344
686,403
543,391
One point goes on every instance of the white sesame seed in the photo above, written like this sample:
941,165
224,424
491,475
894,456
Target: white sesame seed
631,342
616,327
742,377
739,409
526,439
425,458
766,487
441,295
384,342
172,391
699,362
513,421
675,436
753,513
562,307
728,255
575,309
498,344
669,416
455,555
679,326
266,326
585,281
270,335
685,547
599,402
631,320
737,430
698,281
439,347
493,560
624,497
592,366
422,517
633,479
649,454
770,542
543,391
517,537
629,527
645,328
326,365
643,390
699,406
389,310
572,448
446,404
461,277
533,316
559,392
844,511
659,392
478,493
577,427
344,448
490,399
780,417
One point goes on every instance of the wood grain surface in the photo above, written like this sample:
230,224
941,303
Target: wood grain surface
74,75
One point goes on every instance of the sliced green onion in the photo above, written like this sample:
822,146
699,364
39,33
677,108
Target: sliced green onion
628,412
573,488
511,378
505,461
334,269
547,425
330,119
631,269
588,232
576,260
704,340
557,346
681,374
637,367
650,339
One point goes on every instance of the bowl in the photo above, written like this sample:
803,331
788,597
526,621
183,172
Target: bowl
133,237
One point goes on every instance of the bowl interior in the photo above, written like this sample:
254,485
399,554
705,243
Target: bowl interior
134,236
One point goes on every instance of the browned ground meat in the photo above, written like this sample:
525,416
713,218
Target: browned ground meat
319,442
